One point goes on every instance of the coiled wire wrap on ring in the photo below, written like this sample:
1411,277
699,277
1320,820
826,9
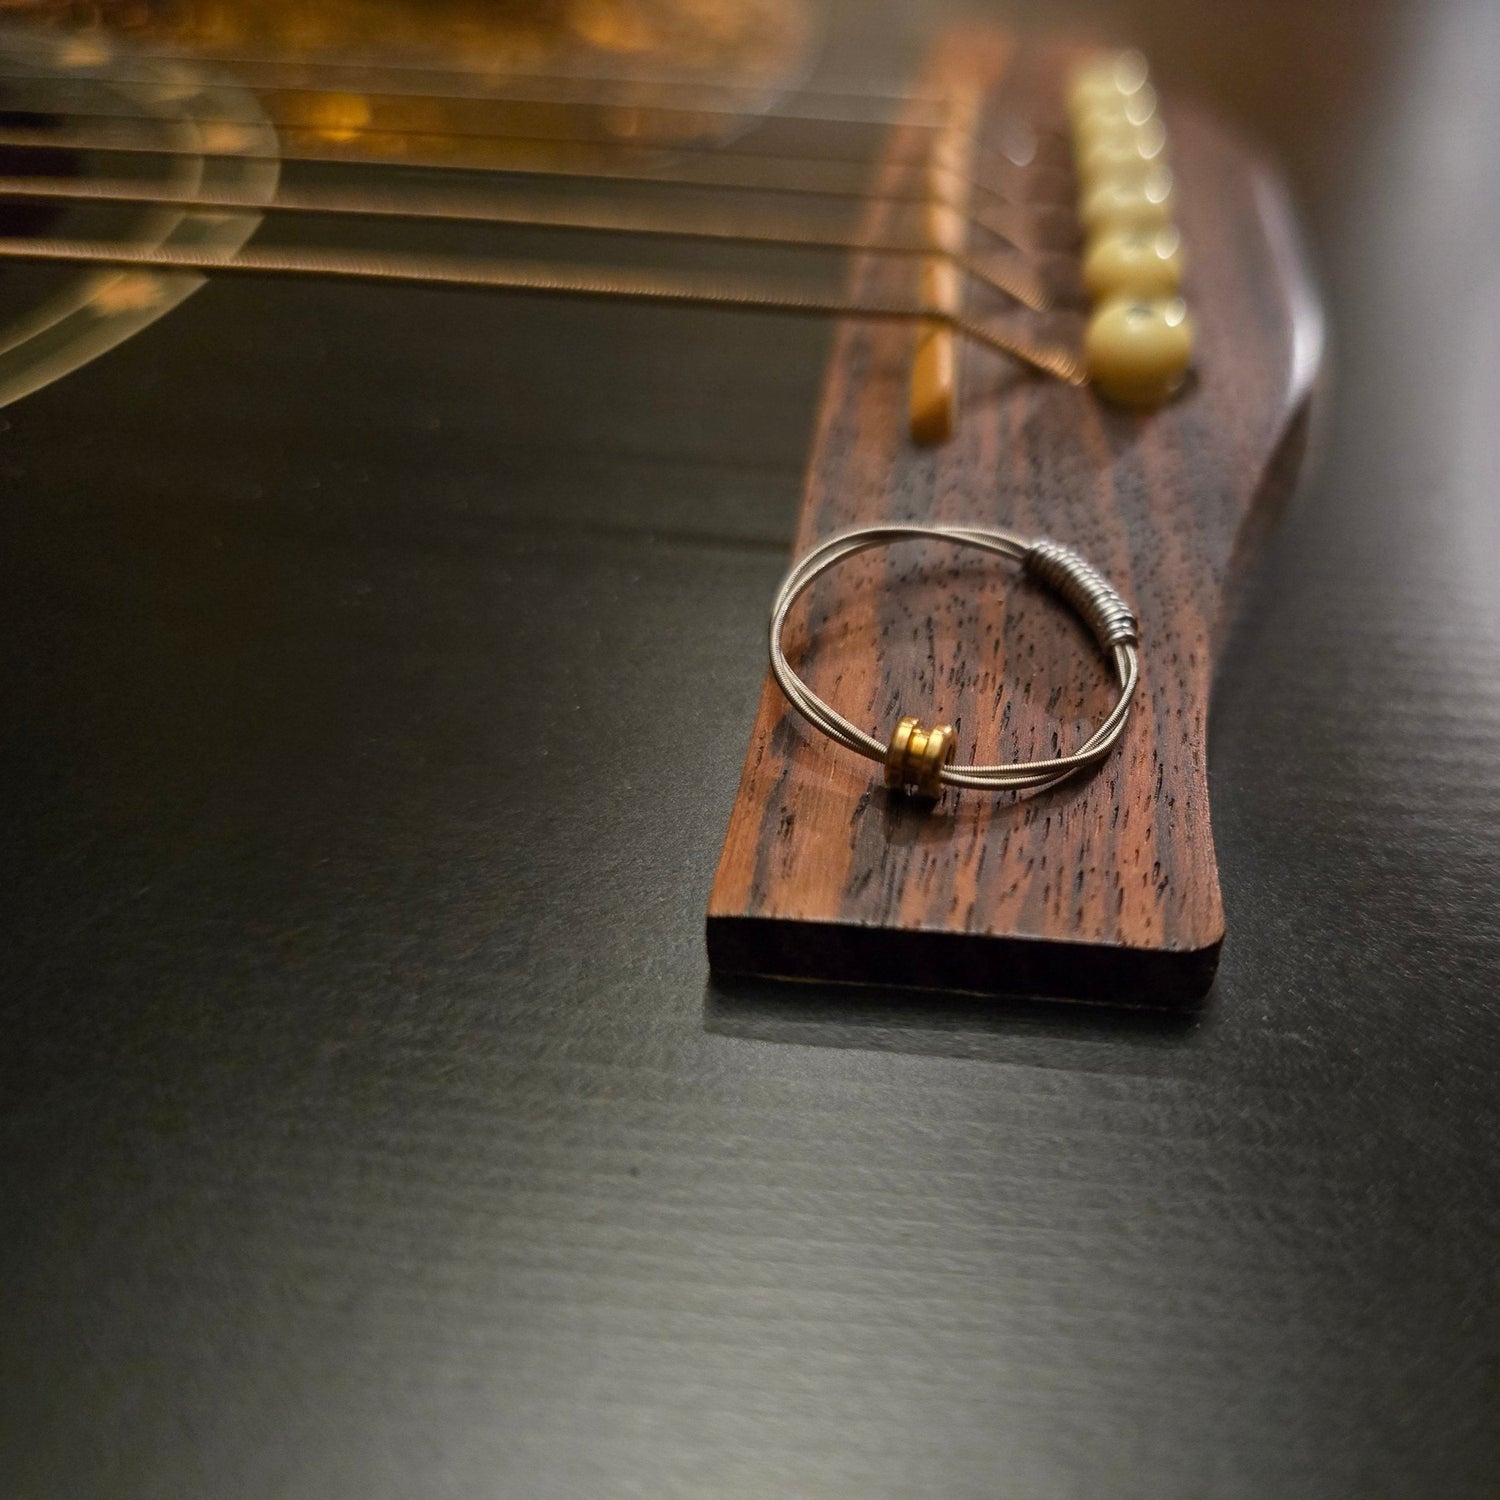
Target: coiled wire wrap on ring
1073,578
1087,589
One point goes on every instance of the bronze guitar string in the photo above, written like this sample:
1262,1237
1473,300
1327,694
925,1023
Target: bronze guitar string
590,87
942,192
440,272
1013,281
849,188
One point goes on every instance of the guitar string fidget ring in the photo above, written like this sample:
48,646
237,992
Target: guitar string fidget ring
919,760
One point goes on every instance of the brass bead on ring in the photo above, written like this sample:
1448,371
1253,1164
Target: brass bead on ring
915,757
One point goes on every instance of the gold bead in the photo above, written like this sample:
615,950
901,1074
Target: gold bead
1137,351
896,751
1140,263
915,758
1128,202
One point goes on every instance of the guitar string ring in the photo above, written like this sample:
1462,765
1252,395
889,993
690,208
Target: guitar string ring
920,760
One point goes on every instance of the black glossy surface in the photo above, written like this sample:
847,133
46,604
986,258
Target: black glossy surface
368,1127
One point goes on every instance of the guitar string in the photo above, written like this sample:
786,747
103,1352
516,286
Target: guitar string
430,270
1018,282
496,93
485,78
1004,160
84,141
445,272
1077,582
851,184
1020,153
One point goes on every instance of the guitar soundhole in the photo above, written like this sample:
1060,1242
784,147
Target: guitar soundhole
91,115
